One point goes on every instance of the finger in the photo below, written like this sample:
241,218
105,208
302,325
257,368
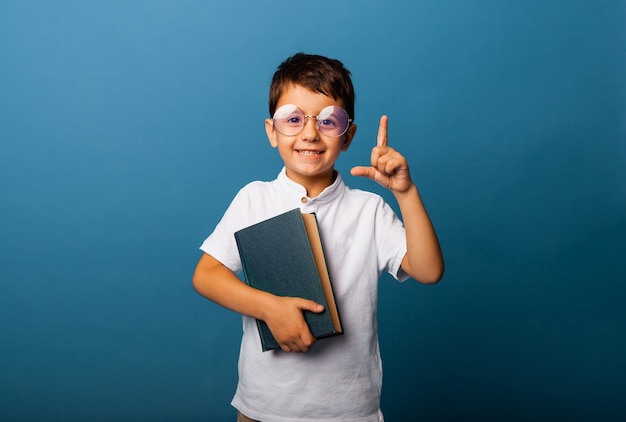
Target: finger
306,341
377,152
362,171
302,343
299,342
382,131
388,164
391,166
309,305
290,346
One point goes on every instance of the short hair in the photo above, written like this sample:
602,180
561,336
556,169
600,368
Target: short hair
317,73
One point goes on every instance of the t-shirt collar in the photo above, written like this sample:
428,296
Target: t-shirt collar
293,188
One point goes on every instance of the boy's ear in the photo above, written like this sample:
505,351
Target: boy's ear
271,132
348,137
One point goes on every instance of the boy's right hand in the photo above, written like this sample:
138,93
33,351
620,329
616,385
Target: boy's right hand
285,319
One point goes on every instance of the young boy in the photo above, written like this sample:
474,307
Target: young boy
337,379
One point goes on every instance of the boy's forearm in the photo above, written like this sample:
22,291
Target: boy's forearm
423,260
217,283
283,315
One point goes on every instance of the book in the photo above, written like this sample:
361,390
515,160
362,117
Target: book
283,255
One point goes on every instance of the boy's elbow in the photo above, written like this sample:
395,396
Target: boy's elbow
431,275
195,282
199,280
430,279
425,269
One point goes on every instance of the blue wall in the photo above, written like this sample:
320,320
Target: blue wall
127,126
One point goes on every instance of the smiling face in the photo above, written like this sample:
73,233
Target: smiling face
310,155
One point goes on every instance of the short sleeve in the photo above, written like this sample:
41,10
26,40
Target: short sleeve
221,243
391,241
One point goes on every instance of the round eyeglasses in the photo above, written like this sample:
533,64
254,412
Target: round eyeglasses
332,121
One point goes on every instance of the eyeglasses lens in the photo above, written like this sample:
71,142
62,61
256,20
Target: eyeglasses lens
332,121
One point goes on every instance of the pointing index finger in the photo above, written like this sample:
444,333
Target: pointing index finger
382,132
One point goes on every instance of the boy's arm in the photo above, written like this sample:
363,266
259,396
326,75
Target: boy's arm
283,315
423,260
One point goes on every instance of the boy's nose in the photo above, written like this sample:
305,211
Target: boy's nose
310,130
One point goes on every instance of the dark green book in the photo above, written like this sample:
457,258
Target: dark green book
284,256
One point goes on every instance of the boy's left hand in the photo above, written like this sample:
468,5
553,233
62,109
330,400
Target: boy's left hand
389,168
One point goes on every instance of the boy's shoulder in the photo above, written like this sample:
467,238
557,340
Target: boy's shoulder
259,185
258,190
364,195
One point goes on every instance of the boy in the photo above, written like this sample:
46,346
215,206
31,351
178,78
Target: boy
337,379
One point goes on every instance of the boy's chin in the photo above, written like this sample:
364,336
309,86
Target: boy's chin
313,175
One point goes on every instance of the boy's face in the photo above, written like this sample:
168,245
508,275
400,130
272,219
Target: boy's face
310,155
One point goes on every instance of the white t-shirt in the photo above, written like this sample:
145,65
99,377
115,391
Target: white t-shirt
339,378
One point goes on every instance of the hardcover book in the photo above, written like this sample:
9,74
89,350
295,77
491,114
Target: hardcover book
284,256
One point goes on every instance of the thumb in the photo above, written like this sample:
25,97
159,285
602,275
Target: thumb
309,305
363,171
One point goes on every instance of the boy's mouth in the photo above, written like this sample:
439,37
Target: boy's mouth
308,153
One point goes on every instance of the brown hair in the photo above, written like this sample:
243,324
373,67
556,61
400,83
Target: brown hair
317,73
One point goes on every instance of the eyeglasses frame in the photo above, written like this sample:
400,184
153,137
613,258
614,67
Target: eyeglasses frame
305,116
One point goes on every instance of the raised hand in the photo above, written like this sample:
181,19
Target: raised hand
388,168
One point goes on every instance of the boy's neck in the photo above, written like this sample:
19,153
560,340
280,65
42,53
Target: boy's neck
314,186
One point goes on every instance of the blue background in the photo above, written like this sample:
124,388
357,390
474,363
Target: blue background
126,127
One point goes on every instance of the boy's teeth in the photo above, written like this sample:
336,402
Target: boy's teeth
310,153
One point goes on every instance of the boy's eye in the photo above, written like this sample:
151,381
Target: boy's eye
294,120
328,123
289,114
330,117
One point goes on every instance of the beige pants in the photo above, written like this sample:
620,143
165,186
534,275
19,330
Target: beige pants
243,418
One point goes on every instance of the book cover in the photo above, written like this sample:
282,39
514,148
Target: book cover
284,256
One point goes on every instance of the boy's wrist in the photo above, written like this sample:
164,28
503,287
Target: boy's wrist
410,192
266,305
